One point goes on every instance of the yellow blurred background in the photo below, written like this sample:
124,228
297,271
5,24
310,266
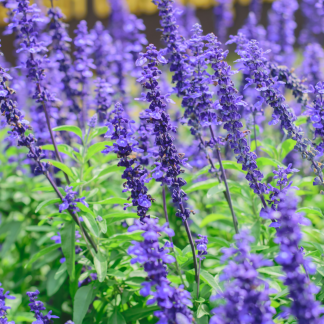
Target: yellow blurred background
77,9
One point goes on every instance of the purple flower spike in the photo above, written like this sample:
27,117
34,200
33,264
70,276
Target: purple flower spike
303,306
202,246
3,307
246,295
223,18
37,306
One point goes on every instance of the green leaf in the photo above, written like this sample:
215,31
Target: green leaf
100,263
115,217
60,271
138,312
13,232
212,218
256,230
49,189
95,148
220,187
264,161
99,131
209,279
69,128
68,247
116,318
301,120
318,247
286,147
110,201
54,282
63,148
311,210
46,203
202,310
218,241
272,271
91,224
82,300
42,253
206,184
60,166
103,226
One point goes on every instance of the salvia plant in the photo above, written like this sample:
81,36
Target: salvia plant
171,183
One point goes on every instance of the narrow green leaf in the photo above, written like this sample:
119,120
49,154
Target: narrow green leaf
46,203
301,120
69,128
91,224
286,147
110,201
82,300
272,271
212,218
116,318
60,270
60,166
311,210
99,131
138,312
256,230
206,184
115,217
63,148
11,237
68,247
100,263
95,148
209,279
264,161
42,253
218,241
54,282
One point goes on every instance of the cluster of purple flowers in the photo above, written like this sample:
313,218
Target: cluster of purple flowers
254,60
246,295
70,201
301,291
37,307
104,98
313,63
3,307
202,246
228,105
223,18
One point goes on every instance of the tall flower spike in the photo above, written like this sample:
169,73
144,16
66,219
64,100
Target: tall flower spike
37,307
223,18
313,63
256,8
172,301
104,98
254,60
281,30
303,306
229,105
3,307
246,295
83,66
168,161
175,52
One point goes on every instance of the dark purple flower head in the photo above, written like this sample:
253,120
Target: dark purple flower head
303,306
255,62
281,30
154,259
202,246
37,307
223,18
70,201
246,295
3,307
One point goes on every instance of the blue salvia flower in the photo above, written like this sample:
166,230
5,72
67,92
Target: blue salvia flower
172,301
245,294
313,63
313,25
281,30
223,18
256,8
316,113
3,307
303,306
103,49
228,106
15,119
254,60
175,52
37,307
202,246
70,200
168,167
83,65
104,98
